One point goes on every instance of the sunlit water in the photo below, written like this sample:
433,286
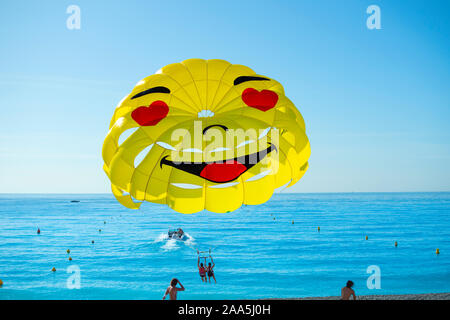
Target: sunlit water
256,255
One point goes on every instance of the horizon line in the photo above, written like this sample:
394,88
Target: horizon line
324,192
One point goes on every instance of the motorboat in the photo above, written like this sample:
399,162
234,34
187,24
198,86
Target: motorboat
177,234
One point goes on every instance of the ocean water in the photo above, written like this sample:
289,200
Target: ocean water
258,252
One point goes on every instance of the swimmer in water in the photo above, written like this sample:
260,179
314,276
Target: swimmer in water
347,291
172,290
201,270
210,270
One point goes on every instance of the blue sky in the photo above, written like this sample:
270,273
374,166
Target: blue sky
376,102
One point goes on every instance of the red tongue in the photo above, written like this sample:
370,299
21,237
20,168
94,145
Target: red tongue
223,172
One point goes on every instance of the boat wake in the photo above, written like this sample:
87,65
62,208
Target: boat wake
173,244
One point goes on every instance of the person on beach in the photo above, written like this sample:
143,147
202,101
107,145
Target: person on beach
172,290
201,270
347,291
210,270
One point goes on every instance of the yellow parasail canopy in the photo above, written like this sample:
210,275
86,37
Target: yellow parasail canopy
204,134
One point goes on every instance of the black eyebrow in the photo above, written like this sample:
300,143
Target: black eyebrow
214,125
241,79
151,90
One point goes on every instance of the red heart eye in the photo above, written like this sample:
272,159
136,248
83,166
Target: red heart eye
151,115
261,100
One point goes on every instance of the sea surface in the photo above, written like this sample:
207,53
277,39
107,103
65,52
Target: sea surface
269,251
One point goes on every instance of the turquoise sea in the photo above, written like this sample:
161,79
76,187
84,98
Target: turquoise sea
258,251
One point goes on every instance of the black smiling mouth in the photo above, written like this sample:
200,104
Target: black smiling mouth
245,162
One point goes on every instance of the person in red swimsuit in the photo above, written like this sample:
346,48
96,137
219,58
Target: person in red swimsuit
201,270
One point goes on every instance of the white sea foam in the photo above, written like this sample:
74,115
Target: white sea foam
161,237
170,245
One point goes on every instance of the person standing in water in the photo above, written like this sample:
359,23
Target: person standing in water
172,290
347,291
210,270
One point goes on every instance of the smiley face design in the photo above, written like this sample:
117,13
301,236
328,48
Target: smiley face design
204,135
